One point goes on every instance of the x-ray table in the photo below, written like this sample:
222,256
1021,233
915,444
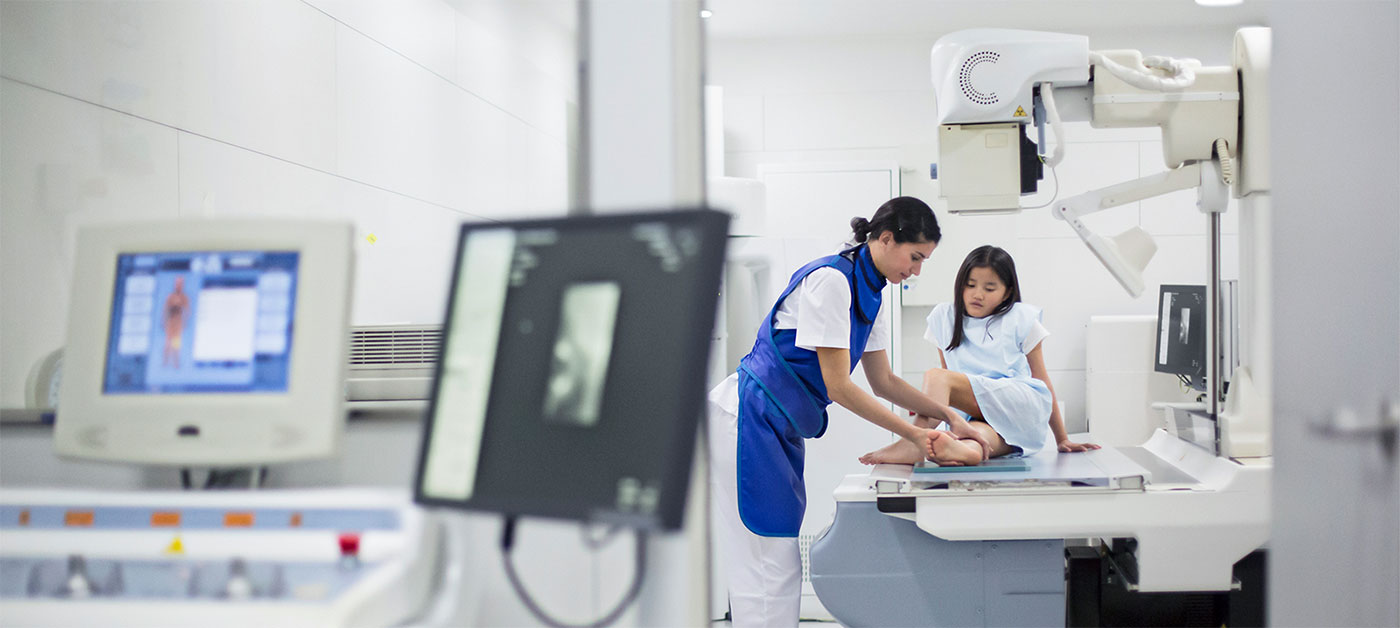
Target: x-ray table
987,547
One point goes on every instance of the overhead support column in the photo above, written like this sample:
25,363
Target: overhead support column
642,147
642,103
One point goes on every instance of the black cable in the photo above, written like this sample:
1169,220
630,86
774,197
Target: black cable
1054,196
508,534
185,482
508,541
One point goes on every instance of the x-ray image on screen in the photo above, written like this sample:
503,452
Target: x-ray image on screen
1181,332
572,378
582,349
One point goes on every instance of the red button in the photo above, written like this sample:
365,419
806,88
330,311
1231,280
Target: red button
349,543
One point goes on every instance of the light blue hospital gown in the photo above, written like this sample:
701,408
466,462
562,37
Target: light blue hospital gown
993,356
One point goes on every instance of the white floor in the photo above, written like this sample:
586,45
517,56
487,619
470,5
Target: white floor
815,624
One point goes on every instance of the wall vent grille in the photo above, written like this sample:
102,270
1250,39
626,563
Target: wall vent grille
391,346
804,546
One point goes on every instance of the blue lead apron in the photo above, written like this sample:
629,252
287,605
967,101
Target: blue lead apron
782,400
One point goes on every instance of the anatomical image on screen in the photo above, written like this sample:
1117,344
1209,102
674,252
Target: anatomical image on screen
582,349
201,322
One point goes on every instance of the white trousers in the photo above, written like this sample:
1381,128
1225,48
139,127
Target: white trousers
764,573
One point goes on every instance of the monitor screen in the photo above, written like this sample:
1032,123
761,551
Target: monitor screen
201,322
573,371
207,342
1181,333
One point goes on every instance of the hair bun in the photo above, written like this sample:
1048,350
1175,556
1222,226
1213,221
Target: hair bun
860,226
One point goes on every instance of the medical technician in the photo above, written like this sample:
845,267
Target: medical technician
826,320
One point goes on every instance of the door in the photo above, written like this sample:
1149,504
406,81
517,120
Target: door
1335,549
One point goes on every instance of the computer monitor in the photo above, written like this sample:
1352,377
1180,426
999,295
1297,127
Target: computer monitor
573,371
1181,333
206,343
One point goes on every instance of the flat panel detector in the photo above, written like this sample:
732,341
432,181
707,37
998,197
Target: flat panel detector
989,466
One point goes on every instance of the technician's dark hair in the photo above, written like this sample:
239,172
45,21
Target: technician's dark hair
908,218
985,256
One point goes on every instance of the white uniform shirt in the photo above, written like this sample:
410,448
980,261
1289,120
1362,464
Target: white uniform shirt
819,308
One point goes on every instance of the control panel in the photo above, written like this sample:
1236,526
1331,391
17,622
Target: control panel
319,557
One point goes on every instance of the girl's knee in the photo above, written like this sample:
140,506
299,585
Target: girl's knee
935,375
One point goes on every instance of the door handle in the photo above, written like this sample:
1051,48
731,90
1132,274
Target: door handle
1346,422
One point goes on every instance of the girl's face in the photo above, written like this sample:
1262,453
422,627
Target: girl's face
983,293
898,261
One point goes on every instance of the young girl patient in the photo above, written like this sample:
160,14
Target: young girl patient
993,369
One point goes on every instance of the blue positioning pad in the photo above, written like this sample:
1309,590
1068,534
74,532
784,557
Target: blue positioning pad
995,464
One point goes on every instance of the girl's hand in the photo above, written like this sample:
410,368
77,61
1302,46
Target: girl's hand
1068,446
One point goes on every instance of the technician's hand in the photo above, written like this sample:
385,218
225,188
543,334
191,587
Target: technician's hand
1069,446
962,429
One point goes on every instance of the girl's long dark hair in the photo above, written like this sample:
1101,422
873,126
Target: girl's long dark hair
985,256
908,218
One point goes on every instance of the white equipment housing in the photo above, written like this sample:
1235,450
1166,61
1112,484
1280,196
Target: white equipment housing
196,427
986,75
1192,514
984,79
1191,119
217,558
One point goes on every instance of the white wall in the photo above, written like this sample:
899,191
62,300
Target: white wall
405,118
849,100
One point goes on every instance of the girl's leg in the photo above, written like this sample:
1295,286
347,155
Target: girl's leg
965,451
900,451
945,387
954,389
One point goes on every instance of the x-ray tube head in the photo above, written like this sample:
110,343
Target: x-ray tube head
986,75
984,81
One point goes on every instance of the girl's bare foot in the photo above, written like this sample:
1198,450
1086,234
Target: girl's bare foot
949,450
898,452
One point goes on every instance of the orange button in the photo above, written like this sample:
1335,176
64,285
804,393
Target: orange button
77,518
238,519
296,520
165,519
24,517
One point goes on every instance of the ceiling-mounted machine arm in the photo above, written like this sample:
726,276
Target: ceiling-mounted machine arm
1126,254
993,84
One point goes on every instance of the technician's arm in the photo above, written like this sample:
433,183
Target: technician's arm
839,387
893,387
1057,422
